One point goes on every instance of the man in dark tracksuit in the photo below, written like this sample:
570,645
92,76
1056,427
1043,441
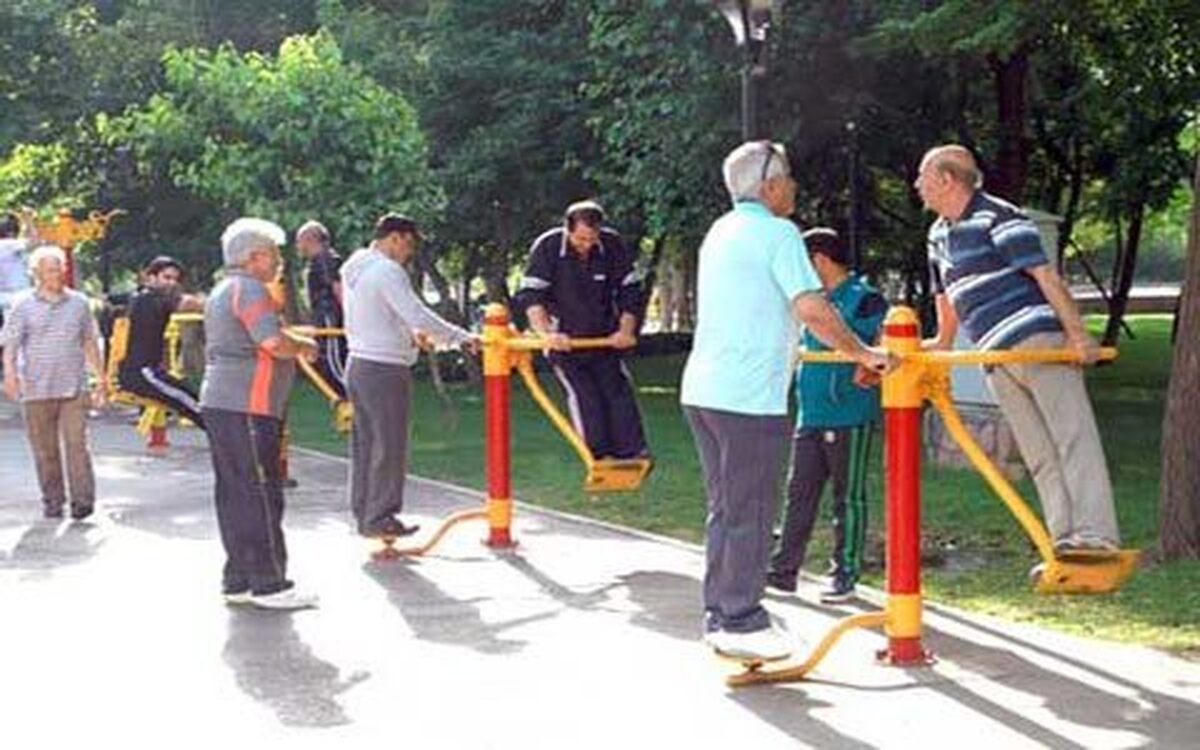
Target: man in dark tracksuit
142,372
837,412
325,300
579,282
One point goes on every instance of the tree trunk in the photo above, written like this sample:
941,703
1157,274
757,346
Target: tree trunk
1179,514
1008,178
1123,274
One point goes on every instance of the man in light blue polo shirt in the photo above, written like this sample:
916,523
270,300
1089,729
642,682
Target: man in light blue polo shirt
755,286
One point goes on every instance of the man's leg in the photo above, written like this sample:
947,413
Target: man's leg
331,360
585,402
806,481
81,479
749,452
379,442
158,385
611,373
41,425
851,517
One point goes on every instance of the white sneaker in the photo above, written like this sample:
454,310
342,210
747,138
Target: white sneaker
239,597
289,598
768,644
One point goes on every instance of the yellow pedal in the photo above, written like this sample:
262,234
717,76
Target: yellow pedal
343,416
617,475
1081,575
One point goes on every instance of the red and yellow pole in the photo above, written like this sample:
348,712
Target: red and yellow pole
902,398
497,370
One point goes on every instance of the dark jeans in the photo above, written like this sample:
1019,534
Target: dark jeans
741,456
378,440
601,403
157,384
249,499
839,456
56,426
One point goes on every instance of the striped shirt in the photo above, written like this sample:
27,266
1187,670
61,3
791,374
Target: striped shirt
49,336
980,263
239,375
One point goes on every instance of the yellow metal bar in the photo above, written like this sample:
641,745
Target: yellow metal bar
1030,522
187,317
525,367
531,343
756,675
317,380
967,357
451,521
903,615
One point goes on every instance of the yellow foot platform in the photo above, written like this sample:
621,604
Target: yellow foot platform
1080,574
617,475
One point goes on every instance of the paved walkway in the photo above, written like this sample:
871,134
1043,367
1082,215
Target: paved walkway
586,636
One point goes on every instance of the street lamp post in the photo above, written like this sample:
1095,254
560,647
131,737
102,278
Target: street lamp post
750,20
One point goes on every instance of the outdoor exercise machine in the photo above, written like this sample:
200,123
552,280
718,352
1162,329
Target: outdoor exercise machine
920,376
66,231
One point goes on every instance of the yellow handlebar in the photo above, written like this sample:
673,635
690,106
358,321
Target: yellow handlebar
528,343
1009,356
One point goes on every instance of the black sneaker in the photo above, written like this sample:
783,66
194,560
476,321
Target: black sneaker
781,582
391,528
840,590
80,512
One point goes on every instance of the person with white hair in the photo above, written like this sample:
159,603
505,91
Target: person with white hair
18,235
755,283
247,377
50,334
324,283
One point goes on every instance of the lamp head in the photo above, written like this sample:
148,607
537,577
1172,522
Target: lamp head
750,19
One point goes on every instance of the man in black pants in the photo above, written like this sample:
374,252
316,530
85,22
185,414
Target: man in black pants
324,284
142,372
580,282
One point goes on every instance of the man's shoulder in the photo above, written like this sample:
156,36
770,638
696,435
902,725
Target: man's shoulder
995,209
551,238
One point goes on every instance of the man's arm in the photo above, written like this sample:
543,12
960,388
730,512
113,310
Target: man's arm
190,303
815,312
947,328
95,363
1059,297
12,387
289,345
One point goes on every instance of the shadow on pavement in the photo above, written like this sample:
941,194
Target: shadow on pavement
48,545
276,668
670,603
433,615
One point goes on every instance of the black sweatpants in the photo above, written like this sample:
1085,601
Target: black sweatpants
332,351
249,500
157,384
601,402
820,455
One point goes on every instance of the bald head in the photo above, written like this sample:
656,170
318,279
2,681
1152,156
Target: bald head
948,176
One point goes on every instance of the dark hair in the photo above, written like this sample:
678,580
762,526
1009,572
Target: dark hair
10,226
160,264
589,213
826,241
392,223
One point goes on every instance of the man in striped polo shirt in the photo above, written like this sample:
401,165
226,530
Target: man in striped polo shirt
990,273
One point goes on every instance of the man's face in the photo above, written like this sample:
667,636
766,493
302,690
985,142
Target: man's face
166,279
932,185
50,275
400,245
265,263
308,244
583,237
779,195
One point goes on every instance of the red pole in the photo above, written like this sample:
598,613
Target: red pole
497,434
902,400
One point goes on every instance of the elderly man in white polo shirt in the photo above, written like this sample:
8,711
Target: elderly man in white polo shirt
755,283
49,334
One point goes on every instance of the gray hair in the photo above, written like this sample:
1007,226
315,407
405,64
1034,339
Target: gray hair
241,238
317,228
743,168
46,252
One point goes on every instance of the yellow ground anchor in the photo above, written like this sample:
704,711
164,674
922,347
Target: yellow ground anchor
602,475
472,514
756,674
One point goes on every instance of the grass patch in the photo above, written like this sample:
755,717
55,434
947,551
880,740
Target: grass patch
978,559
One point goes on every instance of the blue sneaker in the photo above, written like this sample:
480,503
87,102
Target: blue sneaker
841,590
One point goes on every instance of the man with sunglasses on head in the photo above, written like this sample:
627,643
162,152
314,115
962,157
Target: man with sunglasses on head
143,371
755,285
580,283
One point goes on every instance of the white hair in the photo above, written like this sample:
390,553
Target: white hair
317,228
743,168
247,234
46,252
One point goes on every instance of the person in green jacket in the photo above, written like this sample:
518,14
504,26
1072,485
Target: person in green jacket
838,408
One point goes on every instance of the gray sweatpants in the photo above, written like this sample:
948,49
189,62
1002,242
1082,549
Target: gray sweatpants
1051,417
378,439
741,456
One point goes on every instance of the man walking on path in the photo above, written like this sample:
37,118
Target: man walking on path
247,377
990,272
755,281
384,321
324,282
143,371
580,282
836,415
50,334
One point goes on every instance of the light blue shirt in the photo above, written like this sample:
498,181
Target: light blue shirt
752,265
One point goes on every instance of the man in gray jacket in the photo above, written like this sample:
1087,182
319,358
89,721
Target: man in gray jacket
384,321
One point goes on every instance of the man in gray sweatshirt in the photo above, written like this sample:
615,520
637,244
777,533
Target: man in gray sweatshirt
384,318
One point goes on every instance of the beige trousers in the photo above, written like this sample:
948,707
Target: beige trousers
1047,407
56,426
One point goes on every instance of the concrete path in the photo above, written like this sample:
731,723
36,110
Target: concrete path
113,631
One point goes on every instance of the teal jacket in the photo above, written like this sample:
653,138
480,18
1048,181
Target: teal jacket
826,395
